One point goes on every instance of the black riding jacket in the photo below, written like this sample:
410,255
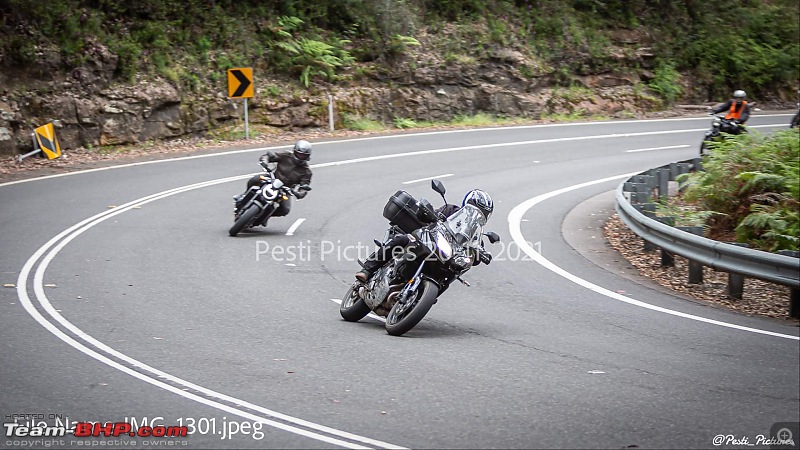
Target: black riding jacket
290,170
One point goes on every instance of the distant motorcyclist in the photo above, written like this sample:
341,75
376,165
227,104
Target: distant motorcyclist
379,257
292,168
738,111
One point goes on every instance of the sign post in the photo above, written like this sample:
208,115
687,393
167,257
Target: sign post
240,85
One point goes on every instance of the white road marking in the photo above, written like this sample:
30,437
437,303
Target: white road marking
657,148
514,227
294,226
428,178
429,133
371,315
57,243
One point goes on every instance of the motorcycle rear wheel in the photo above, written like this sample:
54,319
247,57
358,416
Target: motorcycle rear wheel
404,317
244,220
353,308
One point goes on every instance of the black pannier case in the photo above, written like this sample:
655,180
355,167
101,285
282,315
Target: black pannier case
401,210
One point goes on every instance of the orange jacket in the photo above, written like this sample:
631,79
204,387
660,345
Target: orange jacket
734,112
739,114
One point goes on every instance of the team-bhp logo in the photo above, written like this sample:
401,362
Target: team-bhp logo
88,429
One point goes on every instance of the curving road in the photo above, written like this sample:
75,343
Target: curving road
132,303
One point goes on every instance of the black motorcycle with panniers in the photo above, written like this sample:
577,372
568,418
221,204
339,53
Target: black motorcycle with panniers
261,200
440,250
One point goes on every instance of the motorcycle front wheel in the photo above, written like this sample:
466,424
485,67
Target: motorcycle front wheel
244,220
704,147
405,316
353,308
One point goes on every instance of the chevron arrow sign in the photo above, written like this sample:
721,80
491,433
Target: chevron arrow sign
240,82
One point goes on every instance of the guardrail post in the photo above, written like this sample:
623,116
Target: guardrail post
647,180
735,289
663,184
794,293
695,268
639,192
649,210
667,258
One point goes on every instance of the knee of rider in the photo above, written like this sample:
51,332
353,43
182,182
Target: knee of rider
400,240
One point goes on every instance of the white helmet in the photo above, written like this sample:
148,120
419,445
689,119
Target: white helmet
739,94
481,200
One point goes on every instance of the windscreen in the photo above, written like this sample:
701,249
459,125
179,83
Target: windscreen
465,224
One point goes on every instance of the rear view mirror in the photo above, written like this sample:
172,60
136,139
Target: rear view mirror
438,186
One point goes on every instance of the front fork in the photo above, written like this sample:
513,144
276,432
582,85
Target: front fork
412,285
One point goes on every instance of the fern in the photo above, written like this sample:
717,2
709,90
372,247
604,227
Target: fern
753,181
758,181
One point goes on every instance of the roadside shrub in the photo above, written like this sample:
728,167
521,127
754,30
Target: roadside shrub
753,182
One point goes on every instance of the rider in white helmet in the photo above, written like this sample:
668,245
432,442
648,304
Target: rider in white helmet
476,197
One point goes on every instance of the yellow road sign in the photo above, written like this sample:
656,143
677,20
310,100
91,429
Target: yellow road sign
46,138
240,82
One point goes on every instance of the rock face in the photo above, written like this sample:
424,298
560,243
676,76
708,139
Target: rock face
93,111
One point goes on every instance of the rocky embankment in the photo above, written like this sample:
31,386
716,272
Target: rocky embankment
90,108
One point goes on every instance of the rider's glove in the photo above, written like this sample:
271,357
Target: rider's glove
485,257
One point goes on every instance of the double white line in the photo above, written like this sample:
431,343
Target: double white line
146,373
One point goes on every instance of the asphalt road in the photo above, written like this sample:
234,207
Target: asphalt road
133,303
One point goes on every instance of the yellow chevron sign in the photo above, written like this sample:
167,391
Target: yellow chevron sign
240,82
46,138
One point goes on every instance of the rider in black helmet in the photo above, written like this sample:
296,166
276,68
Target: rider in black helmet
292,169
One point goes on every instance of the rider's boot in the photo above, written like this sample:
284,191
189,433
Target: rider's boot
368,268
363,275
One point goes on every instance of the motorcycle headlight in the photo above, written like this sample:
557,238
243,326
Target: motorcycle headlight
444,247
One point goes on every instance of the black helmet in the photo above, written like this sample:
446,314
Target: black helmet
481,200
302,150
739,95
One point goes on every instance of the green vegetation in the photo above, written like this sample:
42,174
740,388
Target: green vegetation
722,45
362,124
481,120
751,186
666,82
400,122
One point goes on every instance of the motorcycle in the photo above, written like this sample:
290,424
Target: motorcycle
441,250
720,125
261,201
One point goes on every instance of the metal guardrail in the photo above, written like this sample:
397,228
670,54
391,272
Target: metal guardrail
633,206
